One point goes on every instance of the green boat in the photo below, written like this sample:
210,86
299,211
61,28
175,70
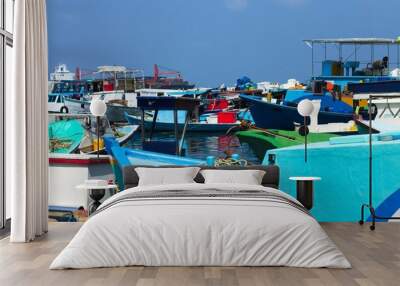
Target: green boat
65,136
260,141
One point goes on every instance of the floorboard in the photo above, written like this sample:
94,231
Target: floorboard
375,257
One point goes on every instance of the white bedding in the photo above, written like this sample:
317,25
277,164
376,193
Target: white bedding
189,231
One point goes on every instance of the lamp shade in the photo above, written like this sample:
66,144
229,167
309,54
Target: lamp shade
305,107
98,107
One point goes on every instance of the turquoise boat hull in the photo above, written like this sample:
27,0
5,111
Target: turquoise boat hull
342,164
68,131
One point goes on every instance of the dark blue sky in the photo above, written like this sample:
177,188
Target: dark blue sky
209,41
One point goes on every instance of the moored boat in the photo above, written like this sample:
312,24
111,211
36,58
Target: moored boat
282,116
66,171
122,134
342,163
202,126
124,157
77,106
65,89
61,72
338,74
261,141
166,78
65,136
116,111
386,108
127,156
55,104
382,125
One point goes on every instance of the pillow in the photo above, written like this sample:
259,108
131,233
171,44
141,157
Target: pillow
247,177
166,176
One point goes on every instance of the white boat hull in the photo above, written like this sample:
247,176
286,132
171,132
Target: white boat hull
387,108
66,171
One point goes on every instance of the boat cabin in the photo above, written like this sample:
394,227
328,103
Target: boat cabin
156,104
113,78
347,60
75,88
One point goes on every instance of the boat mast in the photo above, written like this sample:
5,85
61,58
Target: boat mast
312,60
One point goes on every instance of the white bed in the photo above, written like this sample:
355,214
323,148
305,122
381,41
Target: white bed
246,225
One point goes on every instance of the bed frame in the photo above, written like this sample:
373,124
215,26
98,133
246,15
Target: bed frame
270,179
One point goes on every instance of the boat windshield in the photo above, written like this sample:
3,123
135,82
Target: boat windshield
52,98
69,87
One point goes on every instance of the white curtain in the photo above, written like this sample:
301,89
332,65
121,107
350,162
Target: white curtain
26,124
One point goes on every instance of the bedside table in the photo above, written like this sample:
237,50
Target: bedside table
305,190
96,193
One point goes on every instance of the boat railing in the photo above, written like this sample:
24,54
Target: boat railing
70,115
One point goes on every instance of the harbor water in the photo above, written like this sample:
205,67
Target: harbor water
201,145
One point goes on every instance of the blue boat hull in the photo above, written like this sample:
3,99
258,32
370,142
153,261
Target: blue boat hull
125,157
274,116
344,81
192,127
390,86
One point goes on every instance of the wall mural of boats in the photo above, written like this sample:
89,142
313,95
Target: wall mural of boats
165,106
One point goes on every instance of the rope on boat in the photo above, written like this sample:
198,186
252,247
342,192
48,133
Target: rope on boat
230,162
59,144
246,125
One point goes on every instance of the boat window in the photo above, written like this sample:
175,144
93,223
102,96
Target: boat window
52,98
56,88
68,88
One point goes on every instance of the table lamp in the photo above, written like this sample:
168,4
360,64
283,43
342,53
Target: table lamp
305,108
98,108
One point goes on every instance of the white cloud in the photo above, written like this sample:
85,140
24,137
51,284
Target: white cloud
236,5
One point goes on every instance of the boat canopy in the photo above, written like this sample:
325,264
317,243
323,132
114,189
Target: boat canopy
167,103
115,69
158,103
350,63
189,92
354,41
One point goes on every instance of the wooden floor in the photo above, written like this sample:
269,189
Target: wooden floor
375,257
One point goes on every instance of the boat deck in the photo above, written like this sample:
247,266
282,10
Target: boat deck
375,257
